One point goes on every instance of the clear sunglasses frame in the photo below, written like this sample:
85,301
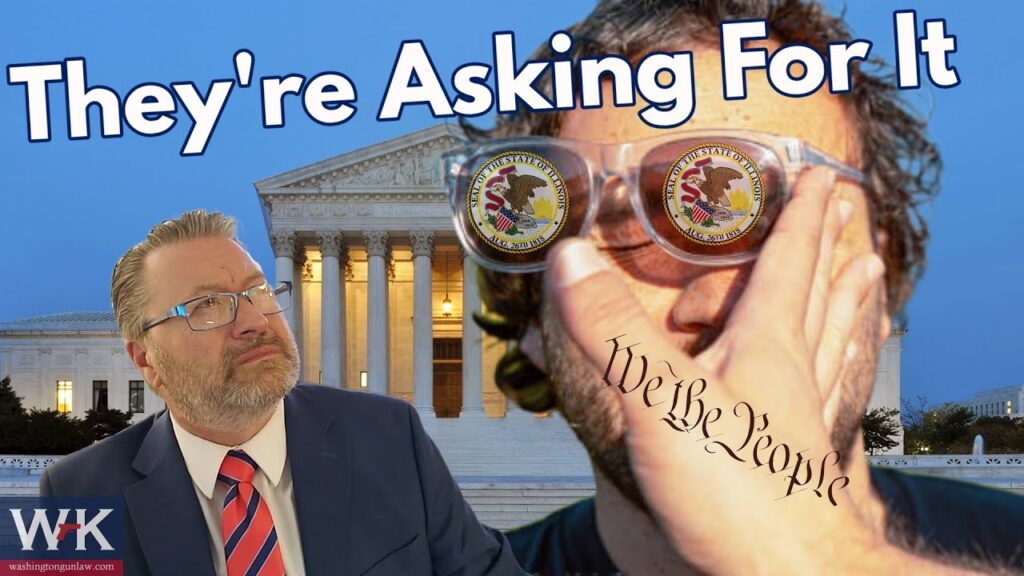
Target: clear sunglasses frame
606,163
181,310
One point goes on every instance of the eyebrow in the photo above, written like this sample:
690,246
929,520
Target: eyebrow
202,289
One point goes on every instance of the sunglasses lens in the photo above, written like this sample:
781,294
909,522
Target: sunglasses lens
513,203
712,198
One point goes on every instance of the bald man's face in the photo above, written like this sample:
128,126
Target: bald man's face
691,302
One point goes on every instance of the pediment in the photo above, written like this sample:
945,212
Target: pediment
408,162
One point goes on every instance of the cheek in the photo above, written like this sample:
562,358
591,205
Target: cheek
201,348
280,328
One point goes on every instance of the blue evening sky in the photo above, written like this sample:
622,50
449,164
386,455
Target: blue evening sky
68,209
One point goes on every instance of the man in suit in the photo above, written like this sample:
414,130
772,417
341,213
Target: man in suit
246,473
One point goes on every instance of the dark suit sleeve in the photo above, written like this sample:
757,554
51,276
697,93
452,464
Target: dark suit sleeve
459,544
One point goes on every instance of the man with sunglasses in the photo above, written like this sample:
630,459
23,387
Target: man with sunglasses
245,472
748,262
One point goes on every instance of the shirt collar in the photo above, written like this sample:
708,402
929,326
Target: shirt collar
203,458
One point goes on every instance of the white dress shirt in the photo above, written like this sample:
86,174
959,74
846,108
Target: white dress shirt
273,481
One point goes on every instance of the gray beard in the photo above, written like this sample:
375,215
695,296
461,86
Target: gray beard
595,416
227,397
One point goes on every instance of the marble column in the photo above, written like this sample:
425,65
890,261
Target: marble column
299,275
332,358
423,322
283,243
472,351
377,314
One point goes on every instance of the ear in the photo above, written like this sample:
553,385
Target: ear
532,345
137,352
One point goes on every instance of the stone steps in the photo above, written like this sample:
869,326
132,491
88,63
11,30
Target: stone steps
505,505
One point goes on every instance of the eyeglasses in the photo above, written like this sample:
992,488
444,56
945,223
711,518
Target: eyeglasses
708,197
221,308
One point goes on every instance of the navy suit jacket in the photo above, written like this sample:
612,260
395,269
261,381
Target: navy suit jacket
372,494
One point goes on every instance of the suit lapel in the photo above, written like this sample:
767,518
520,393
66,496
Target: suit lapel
164,510
321,480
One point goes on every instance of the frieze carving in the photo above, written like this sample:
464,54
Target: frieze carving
422,242
412,166
361,210
283,243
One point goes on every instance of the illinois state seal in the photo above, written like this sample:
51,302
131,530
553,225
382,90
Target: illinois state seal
713,194
517,202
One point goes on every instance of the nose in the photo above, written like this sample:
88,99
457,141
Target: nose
707,296
249,322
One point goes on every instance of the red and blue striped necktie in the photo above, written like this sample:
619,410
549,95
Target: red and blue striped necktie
250,540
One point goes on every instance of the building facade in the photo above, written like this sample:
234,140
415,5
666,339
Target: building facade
1007,402
72,362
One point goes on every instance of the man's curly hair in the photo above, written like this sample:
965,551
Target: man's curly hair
901,164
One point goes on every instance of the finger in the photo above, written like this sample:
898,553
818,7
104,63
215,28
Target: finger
779,288
839,212
848,293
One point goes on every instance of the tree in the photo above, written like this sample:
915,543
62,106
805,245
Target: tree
941,430
912,411
1002,435
948,423
881,429
12,418
49,431
99,424
10,402
52,432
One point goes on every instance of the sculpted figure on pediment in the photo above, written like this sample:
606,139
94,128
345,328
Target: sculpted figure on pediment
412,166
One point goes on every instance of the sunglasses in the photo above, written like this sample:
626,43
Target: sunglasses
708,197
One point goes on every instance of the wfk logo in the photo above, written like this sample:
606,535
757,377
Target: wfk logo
55,533
61,535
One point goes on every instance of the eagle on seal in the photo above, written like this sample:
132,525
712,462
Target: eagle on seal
716,182
520,191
